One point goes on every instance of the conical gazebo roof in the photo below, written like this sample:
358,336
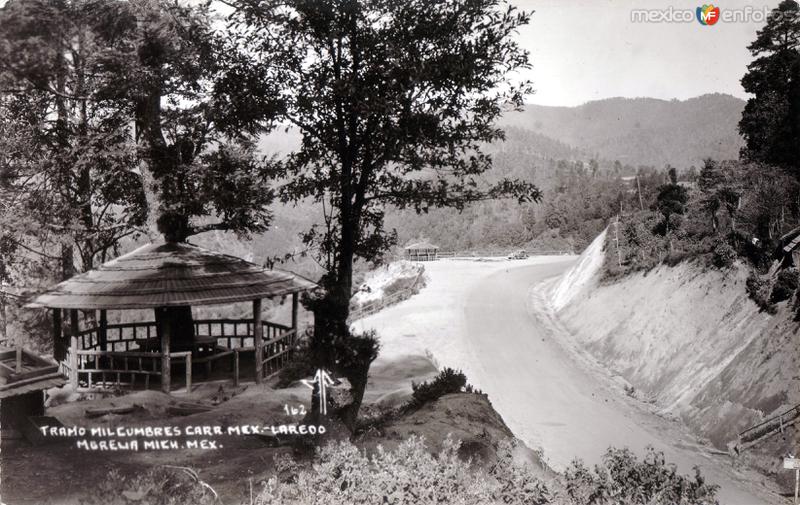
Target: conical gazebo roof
170,275
421,245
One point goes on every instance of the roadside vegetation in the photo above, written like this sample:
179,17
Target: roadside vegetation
744,210
350,469
341,473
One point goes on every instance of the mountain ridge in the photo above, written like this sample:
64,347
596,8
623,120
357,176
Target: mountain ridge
643,130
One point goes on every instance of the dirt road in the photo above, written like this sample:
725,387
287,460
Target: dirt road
549,398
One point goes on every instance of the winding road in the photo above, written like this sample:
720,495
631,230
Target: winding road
485,319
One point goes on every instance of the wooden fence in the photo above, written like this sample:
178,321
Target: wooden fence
767,427
90,369
398,296
128,360
126,337
499,254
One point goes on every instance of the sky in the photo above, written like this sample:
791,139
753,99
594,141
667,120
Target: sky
584,50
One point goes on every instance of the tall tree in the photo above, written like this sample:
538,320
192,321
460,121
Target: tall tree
394,101
671,200
770,122
719,184
198,158
134,129
69,172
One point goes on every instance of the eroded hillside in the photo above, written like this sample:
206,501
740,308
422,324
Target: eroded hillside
688,338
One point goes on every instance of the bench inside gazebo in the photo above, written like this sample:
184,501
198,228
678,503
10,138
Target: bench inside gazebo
169,279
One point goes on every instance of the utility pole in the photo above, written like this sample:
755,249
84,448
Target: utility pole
639,187
616,241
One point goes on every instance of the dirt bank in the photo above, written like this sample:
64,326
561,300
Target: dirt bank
690,340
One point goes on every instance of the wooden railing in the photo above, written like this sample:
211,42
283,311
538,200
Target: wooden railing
767,427
278,351
127,360
88,369
372,307
231,333
120,337
237,333
498,254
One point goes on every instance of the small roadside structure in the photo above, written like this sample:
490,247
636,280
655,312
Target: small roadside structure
168,278
422,251
24,376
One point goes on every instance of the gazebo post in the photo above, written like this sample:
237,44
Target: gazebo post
295,307
258,341
58,342
166,364
73,346
102,335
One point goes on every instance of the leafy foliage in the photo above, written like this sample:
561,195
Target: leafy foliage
671,201
394,102
785,285
737,210
163,485
68,170
448,381
758,290
409,474
622,478
769,121
723,255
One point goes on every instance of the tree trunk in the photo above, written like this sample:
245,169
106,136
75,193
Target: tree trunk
358,385
180,323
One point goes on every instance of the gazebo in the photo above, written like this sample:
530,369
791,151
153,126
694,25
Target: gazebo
422,251
169,278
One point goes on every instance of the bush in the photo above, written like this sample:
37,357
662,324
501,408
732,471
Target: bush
785,286
757,289
448,381
722,254
300,367
163,485
409,474
622,478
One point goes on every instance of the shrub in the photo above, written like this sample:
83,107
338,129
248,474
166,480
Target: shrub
757,289
515,483
448,381
722,254
622,478
163,485
300,367
785,286
409,474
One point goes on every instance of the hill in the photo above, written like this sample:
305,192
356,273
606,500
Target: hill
570,154
644,131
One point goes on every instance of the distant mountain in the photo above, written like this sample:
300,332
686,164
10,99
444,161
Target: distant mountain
644,131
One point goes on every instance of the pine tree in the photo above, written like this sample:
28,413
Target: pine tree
770,122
